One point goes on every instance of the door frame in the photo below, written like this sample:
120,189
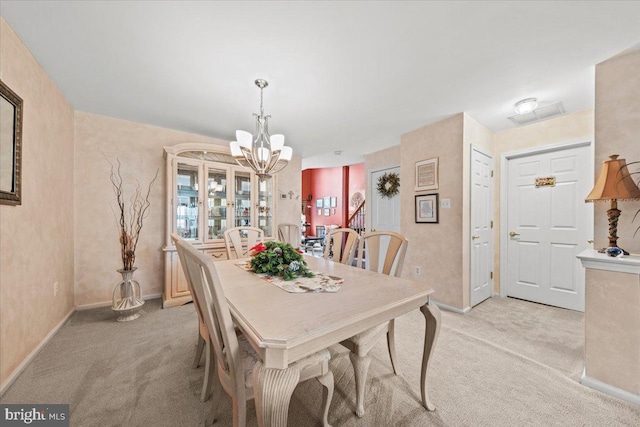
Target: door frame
370,188
504,158
470,230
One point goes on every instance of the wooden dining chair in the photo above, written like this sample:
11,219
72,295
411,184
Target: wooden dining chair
235,357
203,339
239,240
290,233
383,252
340,245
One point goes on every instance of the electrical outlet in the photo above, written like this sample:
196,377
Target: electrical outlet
445,204
418,271
55,289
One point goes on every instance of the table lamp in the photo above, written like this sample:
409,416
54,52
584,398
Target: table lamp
614,183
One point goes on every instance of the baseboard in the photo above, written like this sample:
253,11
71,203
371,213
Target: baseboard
609,389
453,309
21,367
109,303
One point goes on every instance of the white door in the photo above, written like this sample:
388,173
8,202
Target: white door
548,226
481,225
385,212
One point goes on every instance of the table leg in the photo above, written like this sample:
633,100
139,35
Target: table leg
272,390
432,329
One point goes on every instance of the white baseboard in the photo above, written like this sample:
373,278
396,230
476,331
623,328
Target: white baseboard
109,303
609,389
21,367
453,309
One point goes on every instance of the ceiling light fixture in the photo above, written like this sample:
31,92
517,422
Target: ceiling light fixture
265,154
526,106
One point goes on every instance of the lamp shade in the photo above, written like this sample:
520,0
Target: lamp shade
614,182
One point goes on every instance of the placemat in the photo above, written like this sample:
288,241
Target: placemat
320,283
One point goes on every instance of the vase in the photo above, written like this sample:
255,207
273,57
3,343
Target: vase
130,301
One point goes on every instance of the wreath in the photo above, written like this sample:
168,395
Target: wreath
388,185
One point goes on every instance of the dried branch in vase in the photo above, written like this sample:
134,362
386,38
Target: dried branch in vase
131,217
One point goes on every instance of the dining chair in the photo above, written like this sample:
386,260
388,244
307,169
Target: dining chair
340,245
383,252
235,357
203,339
239,240
290,233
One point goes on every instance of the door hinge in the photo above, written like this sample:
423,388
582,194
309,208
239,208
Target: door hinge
491,224
491,275
491,174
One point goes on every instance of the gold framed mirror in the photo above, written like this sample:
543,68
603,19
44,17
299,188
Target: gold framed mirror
10,146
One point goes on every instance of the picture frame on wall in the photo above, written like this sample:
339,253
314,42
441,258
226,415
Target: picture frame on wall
334,202
333,211
319,203
319,212
327,202
326,211
427,208
427,174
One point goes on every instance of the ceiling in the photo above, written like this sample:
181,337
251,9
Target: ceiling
348,76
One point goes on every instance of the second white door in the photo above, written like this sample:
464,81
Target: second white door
385,211
547,226
481,226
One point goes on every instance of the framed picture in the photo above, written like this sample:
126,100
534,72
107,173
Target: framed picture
327,202
10,147
334,202
326,211
320,212
427,174
427,208
319,203
333,211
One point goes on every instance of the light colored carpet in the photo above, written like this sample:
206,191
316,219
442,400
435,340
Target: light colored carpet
507,363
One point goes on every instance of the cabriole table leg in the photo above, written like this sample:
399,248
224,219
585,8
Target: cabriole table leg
432,329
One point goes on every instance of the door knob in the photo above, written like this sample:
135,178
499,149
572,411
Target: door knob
513,234
590,241
474,237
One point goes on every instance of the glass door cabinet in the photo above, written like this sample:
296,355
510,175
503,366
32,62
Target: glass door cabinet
207,193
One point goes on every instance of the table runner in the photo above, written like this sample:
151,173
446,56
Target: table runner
320,283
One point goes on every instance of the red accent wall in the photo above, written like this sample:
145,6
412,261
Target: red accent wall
328,182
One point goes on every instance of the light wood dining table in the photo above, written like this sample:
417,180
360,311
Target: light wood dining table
284,327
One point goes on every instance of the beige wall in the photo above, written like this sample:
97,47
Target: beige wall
36,247
617,130
436,248
140,150
574,127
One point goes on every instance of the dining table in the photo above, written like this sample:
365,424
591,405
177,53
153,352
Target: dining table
284,327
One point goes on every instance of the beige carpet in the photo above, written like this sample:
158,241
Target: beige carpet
507,363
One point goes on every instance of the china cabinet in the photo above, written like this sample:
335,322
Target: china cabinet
208,192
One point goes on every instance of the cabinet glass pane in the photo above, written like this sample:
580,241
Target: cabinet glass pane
243,199
187,203
216,203
265,206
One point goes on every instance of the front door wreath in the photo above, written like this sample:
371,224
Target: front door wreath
389,185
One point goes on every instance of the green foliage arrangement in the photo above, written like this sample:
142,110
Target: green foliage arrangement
279,259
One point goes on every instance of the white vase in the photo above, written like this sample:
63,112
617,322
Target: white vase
130,302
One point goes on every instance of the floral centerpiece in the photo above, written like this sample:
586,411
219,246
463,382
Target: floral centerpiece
278,259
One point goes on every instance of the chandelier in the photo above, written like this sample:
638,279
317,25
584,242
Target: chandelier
264,154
